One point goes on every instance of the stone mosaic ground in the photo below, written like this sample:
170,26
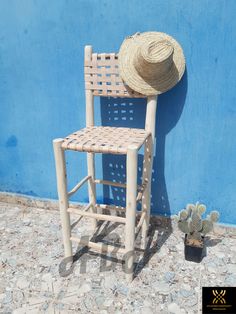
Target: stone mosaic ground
31,255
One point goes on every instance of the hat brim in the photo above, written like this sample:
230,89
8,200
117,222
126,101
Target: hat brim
152,86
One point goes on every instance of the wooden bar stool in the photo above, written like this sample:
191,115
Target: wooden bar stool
102,79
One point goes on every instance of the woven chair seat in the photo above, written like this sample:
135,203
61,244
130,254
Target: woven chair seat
110,140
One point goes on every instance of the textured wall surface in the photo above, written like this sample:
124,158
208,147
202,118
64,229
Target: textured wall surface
42,97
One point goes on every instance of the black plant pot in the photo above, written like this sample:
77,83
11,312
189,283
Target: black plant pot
194,253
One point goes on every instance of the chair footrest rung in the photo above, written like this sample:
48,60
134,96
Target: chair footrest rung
112,183
100,247
97,216
119,185
110,207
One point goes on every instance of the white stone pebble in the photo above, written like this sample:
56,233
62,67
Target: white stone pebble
173,308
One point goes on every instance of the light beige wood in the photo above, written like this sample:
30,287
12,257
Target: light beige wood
88,93
150,124
110,207
141,191
97,216
140,223
90,123
91,184
102,79
122,185
106,182
131,191
78,185
100,247
59,155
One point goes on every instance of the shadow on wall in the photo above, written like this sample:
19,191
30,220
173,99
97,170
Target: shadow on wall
131,113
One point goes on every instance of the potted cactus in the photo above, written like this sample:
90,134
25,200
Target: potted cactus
195,228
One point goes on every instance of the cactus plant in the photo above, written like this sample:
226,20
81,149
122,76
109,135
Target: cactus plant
195,228
191,223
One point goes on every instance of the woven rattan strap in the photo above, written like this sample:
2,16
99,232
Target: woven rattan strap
103,79
105,139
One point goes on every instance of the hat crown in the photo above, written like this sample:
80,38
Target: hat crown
157,51
154,59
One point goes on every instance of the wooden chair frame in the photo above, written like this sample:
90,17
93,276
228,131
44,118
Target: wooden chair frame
100,68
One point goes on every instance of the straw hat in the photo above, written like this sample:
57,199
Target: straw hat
151,63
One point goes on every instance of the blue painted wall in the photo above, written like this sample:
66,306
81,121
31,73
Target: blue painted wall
42,96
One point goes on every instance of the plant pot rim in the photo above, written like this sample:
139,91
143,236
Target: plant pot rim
192,245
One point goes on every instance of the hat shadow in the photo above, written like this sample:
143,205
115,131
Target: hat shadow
126,112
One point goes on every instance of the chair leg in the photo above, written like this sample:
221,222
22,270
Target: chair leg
131,191
63,195
92,185
147,176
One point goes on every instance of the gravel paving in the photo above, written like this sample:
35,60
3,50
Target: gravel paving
35,278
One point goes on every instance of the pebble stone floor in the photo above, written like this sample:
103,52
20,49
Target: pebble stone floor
33,280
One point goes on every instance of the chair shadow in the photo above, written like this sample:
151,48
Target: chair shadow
118,112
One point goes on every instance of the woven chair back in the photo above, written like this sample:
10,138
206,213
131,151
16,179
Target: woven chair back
103,79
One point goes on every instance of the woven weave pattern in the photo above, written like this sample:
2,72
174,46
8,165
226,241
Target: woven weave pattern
105,139
103,79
